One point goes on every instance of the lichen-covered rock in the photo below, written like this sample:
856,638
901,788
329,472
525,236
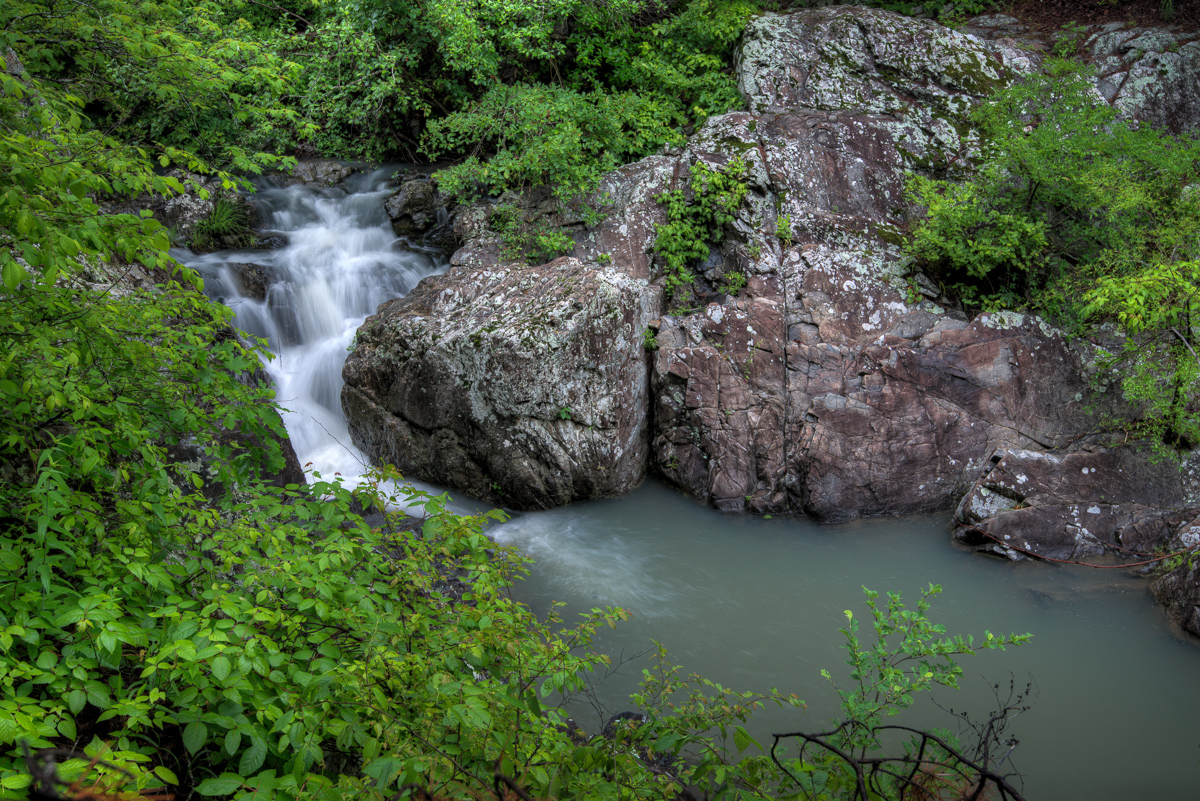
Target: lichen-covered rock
1064,505
832,384
815,398
849,58
524,386
1149,74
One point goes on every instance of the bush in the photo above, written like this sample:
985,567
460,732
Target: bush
693,222
1085,216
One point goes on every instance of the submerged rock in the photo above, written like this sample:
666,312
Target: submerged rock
253,279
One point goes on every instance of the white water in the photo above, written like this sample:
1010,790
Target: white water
756,603
341,261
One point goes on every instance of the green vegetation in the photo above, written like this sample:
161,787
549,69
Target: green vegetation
1087,218
531,240
164,607
227,226
697,218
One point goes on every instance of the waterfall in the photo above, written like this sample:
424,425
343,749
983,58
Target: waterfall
307,298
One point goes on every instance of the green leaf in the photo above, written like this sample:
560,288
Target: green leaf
166,774
226,784
195,734
233,739
742,740
221,668
76,701
252,758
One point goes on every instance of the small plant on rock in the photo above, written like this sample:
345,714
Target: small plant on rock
693,223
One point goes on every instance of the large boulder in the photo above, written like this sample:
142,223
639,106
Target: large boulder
1069,505
524,386
835,382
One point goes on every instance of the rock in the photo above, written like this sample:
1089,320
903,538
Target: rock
281,303
862,60
253,279
618,726
413,208
1072,505
178,213
271,242
1178,590
831,385
524,386
1150,74
327,172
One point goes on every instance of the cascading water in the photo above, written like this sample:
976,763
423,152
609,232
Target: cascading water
340,262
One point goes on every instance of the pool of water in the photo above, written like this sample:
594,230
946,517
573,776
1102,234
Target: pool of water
755,604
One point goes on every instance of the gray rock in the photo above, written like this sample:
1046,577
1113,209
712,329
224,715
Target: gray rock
413,208
1156,75
822,387
522,386
326,172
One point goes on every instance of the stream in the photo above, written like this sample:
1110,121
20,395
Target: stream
753,603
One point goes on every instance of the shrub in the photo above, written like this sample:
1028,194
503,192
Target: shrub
693,222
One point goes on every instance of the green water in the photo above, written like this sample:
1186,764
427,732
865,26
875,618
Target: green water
755,604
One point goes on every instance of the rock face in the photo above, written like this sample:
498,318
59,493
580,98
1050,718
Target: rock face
321,172
521,386
832,384
1074,505
1178,589
1149,74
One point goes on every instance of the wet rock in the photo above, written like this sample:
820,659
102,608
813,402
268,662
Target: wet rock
524,386
253,279
270,242
1073,505
1178,590
281,302
413,209
326,172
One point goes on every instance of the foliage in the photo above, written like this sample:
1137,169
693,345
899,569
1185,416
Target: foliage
530,240
164,75
910,655
1085,216
227,226
946,10
1064,183
693,222
1069,39
536,135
